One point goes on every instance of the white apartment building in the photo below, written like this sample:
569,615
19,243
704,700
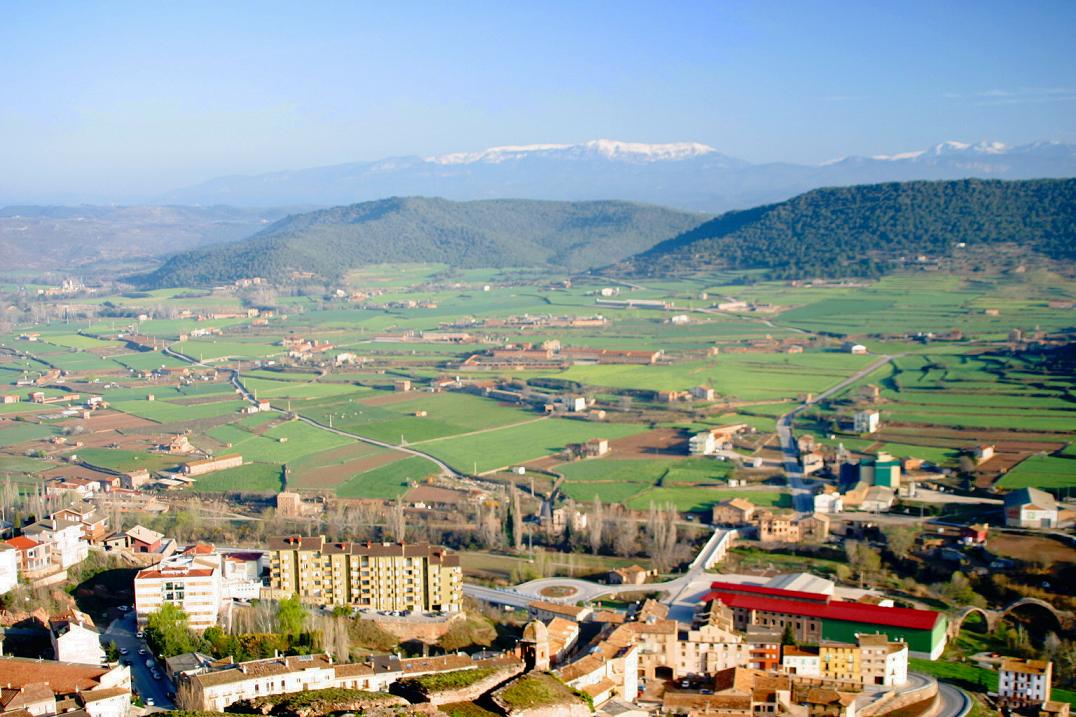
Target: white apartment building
866,421
192,581
9,567
75,639
1025,681
64,538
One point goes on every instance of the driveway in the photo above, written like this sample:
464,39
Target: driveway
123,632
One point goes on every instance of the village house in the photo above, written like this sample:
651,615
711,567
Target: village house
75,638
545,611
1024,682
44,687
631,575
32,557
64,538
736,511
94,523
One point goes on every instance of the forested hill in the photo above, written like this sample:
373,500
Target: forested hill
862,230
495,233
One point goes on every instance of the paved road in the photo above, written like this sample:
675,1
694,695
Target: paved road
803,487
681,594
953,701
123,633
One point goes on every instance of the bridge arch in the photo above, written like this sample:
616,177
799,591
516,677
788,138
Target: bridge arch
1059,616
991,618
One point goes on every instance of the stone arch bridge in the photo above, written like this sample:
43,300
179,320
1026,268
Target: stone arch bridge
1065,619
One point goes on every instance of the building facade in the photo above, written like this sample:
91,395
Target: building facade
190,581
378,576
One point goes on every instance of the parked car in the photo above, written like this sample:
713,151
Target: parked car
124,650
150,702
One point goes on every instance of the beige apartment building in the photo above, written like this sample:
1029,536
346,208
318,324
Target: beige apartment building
378,576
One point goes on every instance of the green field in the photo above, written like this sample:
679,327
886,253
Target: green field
250,478
387,481
300,440
447,414
165,412
519,444
1041,472
125,461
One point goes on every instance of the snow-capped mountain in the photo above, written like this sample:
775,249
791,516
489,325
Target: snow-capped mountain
606,148
687,175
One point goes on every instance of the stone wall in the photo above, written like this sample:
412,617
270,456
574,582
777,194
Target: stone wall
894,700
421,630
473,692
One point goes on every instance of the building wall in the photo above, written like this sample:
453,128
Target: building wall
78,645
379,582
9,569
199,597
929,643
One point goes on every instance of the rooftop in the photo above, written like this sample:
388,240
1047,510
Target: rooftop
827,609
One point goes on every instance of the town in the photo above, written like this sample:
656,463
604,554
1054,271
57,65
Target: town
247,497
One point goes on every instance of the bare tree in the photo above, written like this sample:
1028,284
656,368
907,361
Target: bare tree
626,535
517,521
399,522
596,524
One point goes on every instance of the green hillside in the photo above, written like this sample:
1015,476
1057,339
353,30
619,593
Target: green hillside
494,233
863,230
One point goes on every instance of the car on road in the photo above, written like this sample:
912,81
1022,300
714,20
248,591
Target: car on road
150,702
124,650
156,675
140,635
124,608
141,651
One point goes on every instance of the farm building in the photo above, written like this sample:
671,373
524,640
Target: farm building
209,465
1031,508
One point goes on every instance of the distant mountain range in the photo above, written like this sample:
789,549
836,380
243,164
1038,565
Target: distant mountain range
494,233
688,176
862,230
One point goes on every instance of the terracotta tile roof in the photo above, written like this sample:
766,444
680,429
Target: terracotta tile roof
22,542
63,677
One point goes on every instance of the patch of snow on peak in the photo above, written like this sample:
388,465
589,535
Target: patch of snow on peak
614,149
900,155
495,154
610,149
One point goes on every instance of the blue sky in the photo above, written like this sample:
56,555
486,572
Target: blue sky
115,99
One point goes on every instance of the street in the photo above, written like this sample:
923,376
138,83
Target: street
123,632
